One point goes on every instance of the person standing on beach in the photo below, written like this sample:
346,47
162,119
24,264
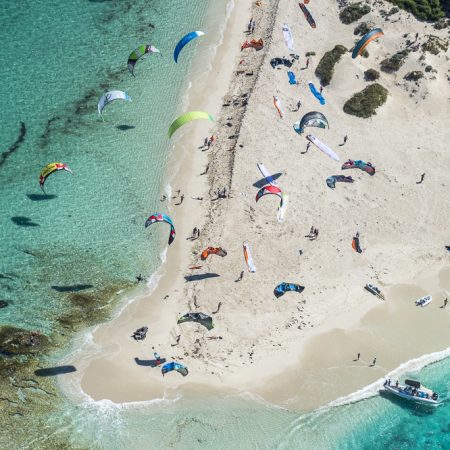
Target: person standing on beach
359,355
249,26
253,26
345,138
321,89
307,62
299,105
374,361
181,199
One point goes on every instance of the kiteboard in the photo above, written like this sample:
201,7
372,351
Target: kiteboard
282,208
316,93
321,146
248,258
288,39
307,15
277,104
266,174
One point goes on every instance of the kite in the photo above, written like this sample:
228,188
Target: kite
51,168
366,40
248,258
158,217
109,97
288,39
199,317
185,40
321,146
282,288
311,119
219,251
358,164
256,44
138,53
292,79
269,189
316,93
174,366
331,181
274,62
277,104
188,117
356,244
307,15
266,174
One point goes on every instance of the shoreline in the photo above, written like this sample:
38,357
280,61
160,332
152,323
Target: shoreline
278,383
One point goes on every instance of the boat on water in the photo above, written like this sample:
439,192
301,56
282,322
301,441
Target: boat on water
413,391
423,301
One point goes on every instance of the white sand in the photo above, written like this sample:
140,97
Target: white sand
298,351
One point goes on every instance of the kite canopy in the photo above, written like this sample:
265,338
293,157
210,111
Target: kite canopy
188,117
358,164
311,119
159,217
174,366
138,53
109,97
282,288
366,40
219,251
248,258
51,168
202,319
321,146
274,62
269,189
331,181
185,40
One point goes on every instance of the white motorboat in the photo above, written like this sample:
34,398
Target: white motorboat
423,301
413,391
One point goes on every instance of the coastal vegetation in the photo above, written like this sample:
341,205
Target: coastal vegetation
393,63
435,45
361,28
429,10
371,75
365,103
325,68
415,75
353,12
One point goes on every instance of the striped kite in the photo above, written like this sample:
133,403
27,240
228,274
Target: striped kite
366,40
49,169
138,53
159,217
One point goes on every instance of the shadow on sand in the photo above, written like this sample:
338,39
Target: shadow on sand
202,276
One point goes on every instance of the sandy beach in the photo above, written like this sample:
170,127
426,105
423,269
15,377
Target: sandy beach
297,351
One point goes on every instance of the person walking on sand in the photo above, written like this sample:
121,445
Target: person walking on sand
345,138
249,26
358,356
321,89
181,199
421,179
307,62
374,361
157,358
299,105
205,142
253,26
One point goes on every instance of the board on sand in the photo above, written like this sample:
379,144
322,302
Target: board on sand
424,301
321,146
266,174
307,15
316,93
288,39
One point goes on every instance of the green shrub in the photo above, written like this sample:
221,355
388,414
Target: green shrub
435,45
353,12
424,9
364,103
310,54
394,63
325,68
371,75
415,75
361,28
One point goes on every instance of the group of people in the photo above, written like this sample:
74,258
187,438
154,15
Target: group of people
313,234
208,141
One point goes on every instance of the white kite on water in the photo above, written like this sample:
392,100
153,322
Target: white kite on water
288,37
248,258
321,146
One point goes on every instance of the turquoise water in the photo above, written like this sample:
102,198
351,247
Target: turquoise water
87,235
221,423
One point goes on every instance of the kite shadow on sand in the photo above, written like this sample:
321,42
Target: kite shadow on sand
263,181
202,276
